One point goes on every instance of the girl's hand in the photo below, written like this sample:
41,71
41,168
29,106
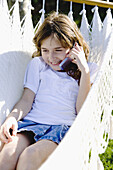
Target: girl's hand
9,124
78,56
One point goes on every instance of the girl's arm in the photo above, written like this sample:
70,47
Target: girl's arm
84,88
78,56
24,105
19,111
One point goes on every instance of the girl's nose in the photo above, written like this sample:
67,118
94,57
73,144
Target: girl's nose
51,56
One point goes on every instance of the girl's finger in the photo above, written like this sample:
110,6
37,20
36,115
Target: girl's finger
81,47
14,128
73,54
3,138
7,134
77,47
74,61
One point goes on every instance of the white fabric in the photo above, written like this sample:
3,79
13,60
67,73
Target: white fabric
56,93
84,28
12,70
87,134
57,6
28,31
96,37
15,35
5,28
90,132
16,28
70,14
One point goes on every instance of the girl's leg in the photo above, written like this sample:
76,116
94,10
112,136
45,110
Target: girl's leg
11,151
34,155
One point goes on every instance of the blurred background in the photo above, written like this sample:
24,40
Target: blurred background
64,7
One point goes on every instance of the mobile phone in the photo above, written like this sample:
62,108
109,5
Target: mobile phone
64,63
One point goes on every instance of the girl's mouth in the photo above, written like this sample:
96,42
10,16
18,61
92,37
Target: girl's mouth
55,64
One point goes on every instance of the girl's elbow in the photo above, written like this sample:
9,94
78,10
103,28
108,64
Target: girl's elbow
77,109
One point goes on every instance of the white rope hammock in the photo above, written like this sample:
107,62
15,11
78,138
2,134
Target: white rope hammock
92,128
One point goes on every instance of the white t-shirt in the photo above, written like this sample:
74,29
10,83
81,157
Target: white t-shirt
56,93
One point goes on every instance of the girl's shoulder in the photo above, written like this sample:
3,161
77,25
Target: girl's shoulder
37,62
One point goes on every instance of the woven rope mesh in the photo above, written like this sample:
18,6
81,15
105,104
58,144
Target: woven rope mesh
92,128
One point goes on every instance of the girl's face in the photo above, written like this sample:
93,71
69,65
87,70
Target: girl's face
53,52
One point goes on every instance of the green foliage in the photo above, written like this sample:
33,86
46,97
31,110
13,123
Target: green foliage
107,156
64,7
112,112
102,116
35,1
89,155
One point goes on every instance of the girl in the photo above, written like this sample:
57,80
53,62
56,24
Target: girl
52,97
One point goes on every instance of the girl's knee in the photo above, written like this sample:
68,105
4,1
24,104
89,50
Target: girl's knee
28,154
8,157
8,152
26,158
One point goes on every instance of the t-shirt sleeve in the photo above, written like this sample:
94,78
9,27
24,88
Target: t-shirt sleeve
93,67
31,79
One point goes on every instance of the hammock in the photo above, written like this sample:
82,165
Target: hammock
93,126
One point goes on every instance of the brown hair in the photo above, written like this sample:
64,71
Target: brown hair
67,32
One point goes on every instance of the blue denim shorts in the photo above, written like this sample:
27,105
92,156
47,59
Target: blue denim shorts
54,133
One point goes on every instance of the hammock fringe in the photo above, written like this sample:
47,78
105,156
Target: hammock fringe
82,144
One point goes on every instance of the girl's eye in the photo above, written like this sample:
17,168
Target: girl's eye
44,50
58,50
